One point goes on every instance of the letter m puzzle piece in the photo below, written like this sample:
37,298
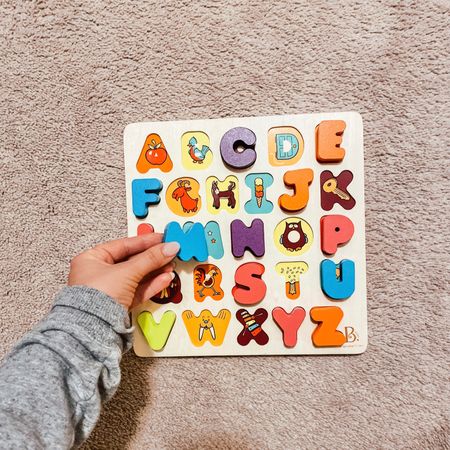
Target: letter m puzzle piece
191,239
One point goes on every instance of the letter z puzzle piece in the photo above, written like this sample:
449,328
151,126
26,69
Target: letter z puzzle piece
326,334
206,326
145,192
252,327
156,334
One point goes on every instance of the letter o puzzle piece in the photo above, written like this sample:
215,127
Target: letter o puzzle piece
183,198
252,329
154,155
291,272
289,323
206,326
337,280
335,230
145,192
328,141
299,180
237,148
326,333
250,288
156,334
285,146
293,236
207,280
334,190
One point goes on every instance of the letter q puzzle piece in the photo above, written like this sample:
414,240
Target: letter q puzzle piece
156,334
145,192
250,288
335,230
191,239
326,334
337,280
237,148
328,141
289,323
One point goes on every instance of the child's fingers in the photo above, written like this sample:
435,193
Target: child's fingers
120,249
152,286
153,258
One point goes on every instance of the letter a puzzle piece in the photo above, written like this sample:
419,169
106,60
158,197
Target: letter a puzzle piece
328,141
154,155
237,148
335,230
156,334
337,280
289,323
250,288
326,334
299,180
252,327
334,190
191,239
247,238
145,192
206,327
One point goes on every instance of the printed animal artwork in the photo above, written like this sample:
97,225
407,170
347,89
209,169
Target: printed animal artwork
171,293
207,279
223,194
293,236
182,196
206,326
196,153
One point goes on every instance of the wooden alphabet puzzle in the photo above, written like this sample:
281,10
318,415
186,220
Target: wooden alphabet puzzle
269,215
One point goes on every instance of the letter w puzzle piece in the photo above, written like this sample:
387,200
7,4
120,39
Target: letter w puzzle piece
206,326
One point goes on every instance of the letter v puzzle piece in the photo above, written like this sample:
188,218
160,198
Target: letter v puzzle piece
156,334
289,323
252,327
191,239
145,192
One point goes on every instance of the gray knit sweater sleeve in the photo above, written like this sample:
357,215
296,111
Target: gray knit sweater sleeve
54,380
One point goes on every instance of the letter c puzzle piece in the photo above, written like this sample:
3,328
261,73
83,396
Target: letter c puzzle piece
335,230
156,334
252,327
337,280
289,323
145,192
154,155
299,180
237,148
326,334
191,239
328,141
206,327
250,288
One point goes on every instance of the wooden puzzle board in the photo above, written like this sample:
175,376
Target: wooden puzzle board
354,322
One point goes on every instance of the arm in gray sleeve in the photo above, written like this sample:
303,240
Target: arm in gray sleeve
54,380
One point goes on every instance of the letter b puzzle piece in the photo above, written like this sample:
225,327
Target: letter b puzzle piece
156,334
206,327
335,230
191,239
252,327
247,238
250,288
337,280
289,323
145,192
326,334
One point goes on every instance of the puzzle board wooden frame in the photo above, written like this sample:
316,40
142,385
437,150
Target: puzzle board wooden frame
354,322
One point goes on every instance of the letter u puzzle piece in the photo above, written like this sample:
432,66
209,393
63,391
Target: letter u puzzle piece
269,215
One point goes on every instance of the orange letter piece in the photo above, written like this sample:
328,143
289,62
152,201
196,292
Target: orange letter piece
154,155
326,333
299,180
328,141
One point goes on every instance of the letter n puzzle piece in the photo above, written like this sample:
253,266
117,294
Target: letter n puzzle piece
145,192
335,230
289,323
252,327
247,238
334,190
326,334
299,180
207,279
191,239
328,141
250,288
156,334
237,148
154,155
291,272
337,280
206,327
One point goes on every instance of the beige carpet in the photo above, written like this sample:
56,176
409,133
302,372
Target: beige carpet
73,74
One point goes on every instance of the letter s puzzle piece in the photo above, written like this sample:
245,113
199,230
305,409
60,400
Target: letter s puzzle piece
252,327
237,148
206,326
334,190
328,141
145,192
289,323
291,272
156,334
326,334
335,230
154,155
207,279
191,239
299,180
250,288
337,280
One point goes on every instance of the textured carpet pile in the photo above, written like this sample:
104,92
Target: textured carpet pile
74,73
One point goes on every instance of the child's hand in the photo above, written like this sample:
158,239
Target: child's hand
130,270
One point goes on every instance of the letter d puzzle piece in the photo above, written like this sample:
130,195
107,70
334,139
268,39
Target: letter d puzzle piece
326,333
191,239
289,323
145,192
156,334
335,230
337,280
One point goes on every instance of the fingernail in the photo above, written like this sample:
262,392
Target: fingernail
170,248
172,275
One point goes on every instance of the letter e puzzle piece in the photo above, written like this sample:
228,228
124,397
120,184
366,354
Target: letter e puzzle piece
335,230
156,334
289,323
326,333
328,141
250,288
